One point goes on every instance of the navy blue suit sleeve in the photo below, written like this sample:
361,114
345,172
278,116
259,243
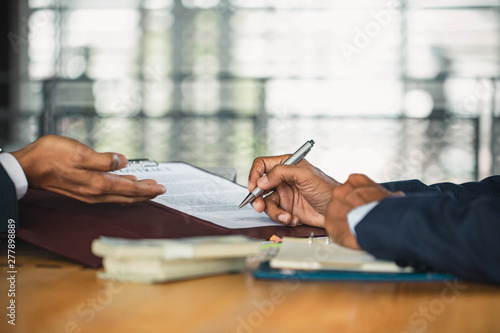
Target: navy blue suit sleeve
8,200
468,191
447,227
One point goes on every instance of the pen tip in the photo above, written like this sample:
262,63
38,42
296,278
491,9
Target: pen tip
247,200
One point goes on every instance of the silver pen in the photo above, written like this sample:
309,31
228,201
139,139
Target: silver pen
294,159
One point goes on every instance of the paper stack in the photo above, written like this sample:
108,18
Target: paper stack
159,260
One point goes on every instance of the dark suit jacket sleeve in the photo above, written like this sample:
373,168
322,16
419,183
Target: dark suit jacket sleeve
468,191
448,227
8,200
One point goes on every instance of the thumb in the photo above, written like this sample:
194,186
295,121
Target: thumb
104,161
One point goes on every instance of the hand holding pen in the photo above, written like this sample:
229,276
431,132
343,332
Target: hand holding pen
301,192
293,159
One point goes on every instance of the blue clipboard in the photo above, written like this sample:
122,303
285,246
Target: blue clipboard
266,272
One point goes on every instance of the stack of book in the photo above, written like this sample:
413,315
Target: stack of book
159,260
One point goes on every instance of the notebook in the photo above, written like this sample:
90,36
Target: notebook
321,254
321,260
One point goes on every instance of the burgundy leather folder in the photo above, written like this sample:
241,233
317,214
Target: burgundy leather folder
67,226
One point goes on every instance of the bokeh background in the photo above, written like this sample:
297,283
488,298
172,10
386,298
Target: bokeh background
393,89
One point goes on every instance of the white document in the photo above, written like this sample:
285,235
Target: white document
201,194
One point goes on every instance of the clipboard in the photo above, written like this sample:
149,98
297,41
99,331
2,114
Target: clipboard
142,163
67,226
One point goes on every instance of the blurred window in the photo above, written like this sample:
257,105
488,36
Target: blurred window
395,89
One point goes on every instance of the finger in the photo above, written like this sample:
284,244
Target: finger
134,178
261,166
372,193
95,184
357,180
131,177
103,161
149,181
362,195
364,190
276,213
284,174
127,187
351,197
258,204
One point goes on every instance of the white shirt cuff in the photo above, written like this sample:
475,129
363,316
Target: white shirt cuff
15,172
357,214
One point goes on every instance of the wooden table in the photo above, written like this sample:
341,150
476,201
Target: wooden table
56,295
